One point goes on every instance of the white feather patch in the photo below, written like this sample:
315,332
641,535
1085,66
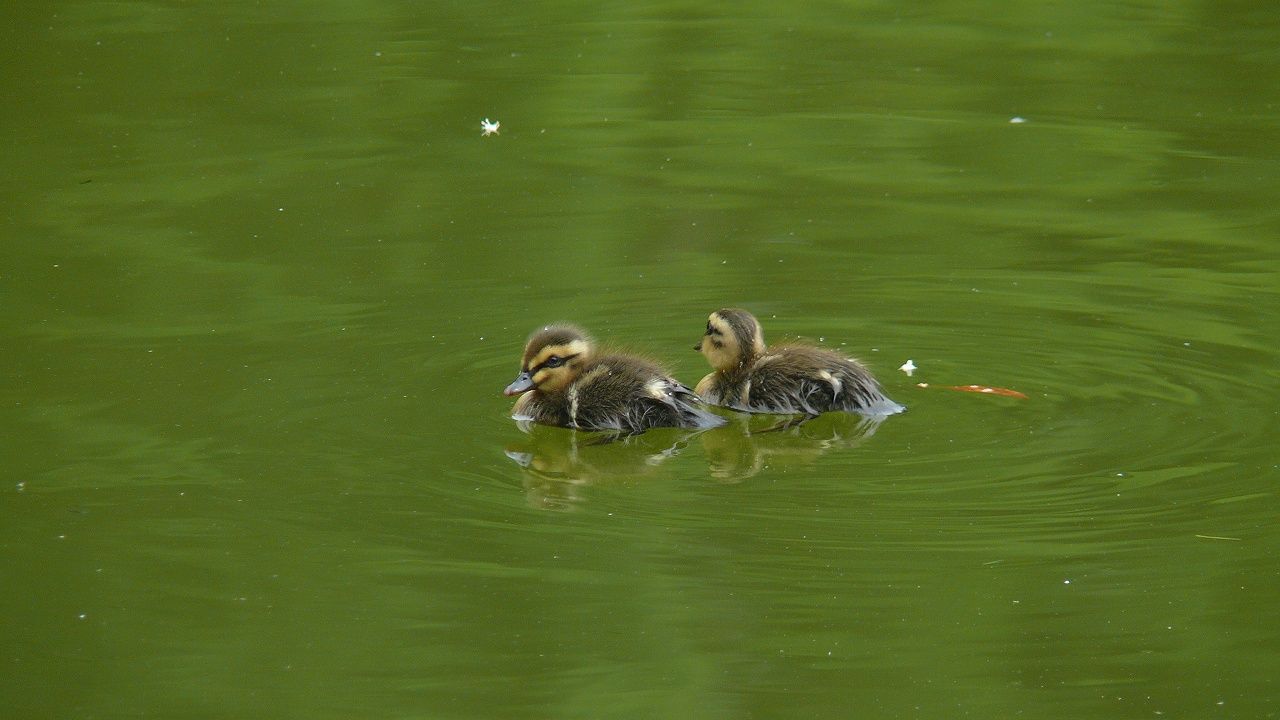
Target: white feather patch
835,381
573,404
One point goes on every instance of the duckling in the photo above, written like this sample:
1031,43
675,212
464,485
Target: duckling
784,379
566,383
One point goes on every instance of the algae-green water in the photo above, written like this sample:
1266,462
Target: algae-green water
264,280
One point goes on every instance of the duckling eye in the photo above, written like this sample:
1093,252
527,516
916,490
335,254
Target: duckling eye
554,361
711,330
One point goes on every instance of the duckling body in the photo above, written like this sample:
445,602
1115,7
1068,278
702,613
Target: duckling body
784,379
566,383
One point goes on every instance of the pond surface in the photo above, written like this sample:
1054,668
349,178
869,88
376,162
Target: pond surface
265,281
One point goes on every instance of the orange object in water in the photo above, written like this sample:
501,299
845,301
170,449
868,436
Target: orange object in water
976,389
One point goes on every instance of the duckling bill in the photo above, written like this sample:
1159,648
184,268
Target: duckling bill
784,379
563,381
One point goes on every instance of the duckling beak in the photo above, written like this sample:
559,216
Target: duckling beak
522,383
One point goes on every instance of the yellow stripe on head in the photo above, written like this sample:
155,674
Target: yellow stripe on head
555,355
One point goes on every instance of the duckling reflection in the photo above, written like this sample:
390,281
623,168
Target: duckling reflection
754,442
558,464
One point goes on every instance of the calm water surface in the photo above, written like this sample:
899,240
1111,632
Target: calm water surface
265,281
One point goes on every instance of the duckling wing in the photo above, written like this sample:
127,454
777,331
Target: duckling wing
799,379
691,408
786,385
666,402
857,389
631,394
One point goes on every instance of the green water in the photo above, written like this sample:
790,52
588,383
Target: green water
264,281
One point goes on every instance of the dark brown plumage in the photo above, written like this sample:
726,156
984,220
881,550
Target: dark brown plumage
565,383
785,379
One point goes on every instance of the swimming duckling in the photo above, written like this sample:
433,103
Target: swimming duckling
566,383
785,379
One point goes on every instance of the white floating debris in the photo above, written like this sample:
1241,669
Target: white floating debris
908,367
1017,121
489,128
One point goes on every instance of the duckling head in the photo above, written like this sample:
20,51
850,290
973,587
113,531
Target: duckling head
554,356
733,339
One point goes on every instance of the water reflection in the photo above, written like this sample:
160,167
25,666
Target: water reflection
754,442
558,462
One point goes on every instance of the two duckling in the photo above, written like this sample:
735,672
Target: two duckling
563,381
